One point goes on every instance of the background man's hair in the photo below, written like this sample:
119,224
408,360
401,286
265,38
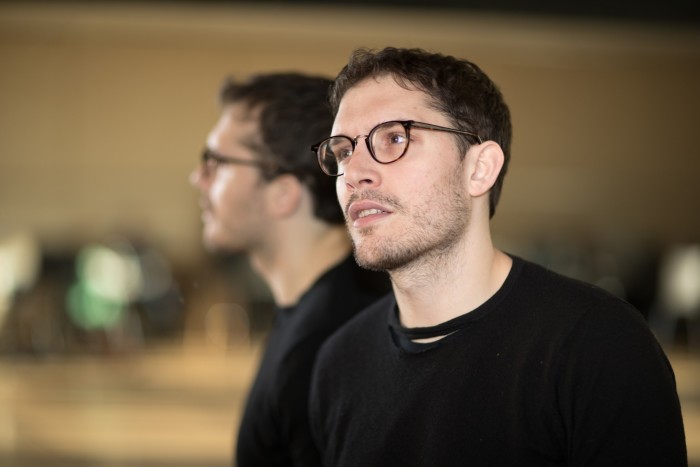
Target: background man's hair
293,114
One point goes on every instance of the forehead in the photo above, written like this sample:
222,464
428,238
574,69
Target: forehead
379,99
237,125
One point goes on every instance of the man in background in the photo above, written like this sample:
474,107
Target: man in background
263,195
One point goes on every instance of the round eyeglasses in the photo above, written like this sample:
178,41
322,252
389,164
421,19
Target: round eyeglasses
211,161
387,143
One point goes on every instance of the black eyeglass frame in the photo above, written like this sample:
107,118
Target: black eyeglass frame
407,124
209,155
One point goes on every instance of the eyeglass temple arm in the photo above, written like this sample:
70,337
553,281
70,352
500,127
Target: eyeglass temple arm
430,126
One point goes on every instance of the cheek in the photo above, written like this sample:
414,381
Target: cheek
231,199
341,192
226,184
218,192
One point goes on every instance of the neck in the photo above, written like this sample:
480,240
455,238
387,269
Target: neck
299,260
436,290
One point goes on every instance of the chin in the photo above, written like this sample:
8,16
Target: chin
218,244
212,243
378,259
211,247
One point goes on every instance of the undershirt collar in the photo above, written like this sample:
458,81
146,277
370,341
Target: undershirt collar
404,337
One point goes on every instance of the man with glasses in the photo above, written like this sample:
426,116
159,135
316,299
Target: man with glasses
263,195
478,357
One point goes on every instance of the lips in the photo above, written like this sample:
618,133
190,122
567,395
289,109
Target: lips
206,209
365,212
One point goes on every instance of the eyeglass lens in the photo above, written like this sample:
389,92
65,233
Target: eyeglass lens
387,142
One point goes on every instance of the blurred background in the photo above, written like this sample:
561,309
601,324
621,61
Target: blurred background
123,343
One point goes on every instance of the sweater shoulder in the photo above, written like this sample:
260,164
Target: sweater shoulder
551,286
551,302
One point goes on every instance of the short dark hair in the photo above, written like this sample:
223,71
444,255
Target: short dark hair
293,114
458,88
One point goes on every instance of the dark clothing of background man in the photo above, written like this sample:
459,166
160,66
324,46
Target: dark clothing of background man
275,429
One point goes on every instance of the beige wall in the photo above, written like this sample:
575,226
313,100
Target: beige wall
103,112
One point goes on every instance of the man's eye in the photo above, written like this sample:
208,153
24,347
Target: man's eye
397,139
392,139
342,153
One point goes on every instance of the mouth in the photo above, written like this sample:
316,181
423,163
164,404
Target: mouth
206,210
365,212
368,212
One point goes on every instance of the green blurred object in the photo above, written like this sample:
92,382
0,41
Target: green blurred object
108,280
90,310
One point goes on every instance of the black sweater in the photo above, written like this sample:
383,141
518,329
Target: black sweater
548,372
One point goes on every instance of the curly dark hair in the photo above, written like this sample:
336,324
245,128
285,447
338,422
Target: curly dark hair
293,114
457,88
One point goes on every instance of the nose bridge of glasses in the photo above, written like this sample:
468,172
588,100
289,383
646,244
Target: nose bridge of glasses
366,137
368,144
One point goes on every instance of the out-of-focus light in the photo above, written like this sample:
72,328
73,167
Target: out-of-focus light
111,274
108,280
92,311
20,258
680,280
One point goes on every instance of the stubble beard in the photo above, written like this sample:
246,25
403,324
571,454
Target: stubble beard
436,230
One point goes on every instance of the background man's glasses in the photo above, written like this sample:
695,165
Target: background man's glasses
211,161
386,142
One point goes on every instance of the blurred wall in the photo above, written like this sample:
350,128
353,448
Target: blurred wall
104,109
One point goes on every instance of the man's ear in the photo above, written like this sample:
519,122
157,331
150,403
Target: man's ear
488,162
283,195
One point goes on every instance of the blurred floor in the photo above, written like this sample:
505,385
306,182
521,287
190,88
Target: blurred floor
170,407
687,369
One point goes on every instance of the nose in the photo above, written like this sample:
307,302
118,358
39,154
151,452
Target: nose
197,177
361,169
